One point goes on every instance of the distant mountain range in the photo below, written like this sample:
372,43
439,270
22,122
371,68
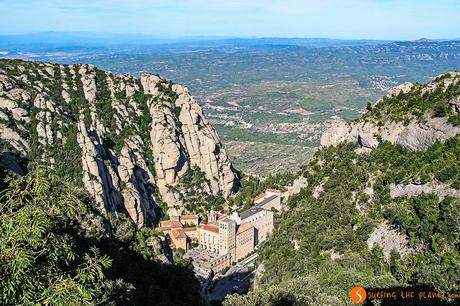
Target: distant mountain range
53,41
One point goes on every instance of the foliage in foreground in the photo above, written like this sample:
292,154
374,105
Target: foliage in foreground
297,292
55,250
39,260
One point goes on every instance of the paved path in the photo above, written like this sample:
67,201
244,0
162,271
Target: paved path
234,277
241,265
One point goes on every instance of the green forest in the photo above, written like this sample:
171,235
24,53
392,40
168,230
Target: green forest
319,249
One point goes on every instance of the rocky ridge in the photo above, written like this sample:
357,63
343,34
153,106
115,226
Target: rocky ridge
128,141
414,132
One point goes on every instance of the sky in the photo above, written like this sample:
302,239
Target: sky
346,19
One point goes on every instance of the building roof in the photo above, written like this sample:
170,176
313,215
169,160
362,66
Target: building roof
210,228
188,217
221,215
260,196
178,234
273,191
244,227
266,200
251,211
162,229
204,258
171,224
226,220
189,229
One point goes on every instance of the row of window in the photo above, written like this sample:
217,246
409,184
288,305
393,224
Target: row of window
244,240
210,248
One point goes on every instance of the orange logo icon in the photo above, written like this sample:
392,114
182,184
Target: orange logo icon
358,295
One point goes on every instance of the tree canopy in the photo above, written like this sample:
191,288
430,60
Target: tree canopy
39,259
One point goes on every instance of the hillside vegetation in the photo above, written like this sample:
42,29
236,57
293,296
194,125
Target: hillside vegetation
440,98
385,218
57,250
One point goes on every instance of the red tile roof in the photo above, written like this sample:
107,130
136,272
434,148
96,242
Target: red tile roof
178,234
189,229
210,228
260,196
221,214
188,217
171,224
273,190
161,229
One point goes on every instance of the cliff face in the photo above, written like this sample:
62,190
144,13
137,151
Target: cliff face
127,141
182,138
425,121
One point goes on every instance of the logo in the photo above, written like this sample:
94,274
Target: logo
358,295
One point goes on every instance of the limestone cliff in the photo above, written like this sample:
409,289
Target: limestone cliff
128,141
413,116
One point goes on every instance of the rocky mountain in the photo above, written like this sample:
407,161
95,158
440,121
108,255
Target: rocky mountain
128,141
380,207
423,124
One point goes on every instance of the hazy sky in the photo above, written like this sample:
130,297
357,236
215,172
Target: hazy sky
380,19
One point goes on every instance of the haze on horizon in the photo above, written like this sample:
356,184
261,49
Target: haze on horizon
351,19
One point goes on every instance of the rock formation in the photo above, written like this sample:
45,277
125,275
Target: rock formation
389,239
415,133
413,190
414,136
127,141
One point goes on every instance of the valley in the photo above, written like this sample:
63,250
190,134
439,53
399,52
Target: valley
278,93
335,189
230,153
